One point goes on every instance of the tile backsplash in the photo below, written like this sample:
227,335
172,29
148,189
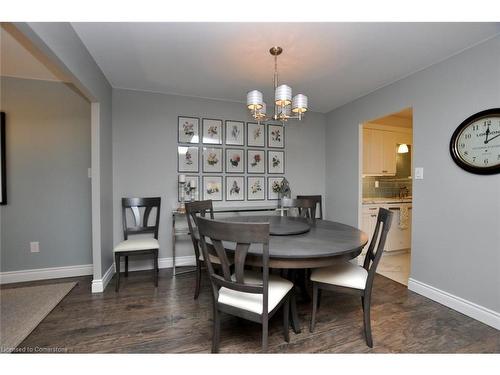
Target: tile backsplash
389,185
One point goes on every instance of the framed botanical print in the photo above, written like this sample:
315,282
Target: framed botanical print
212,131
235,160
212,188
275,162
235,133
256,134
235,188
273,187
275,136
256,161
188,129
212,160
256,188
3,164
187,159
193,184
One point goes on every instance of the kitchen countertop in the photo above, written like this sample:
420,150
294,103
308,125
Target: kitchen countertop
386,200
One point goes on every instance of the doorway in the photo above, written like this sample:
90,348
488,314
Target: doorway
385,180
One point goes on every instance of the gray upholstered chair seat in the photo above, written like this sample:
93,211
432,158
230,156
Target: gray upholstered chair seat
347,275
137,244
278,288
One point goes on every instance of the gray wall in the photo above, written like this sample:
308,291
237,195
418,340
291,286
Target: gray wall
145,150
60,43
48,144
456,215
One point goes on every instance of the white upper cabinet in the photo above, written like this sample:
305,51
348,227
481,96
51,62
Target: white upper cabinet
379,152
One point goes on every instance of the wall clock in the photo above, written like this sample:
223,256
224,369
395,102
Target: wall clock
475,144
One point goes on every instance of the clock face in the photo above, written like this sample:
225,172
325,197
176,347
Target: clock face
475,145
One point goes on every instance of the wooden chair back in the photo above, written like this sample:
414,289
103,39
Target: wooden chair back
377,244
306,207
242,236
141,224
319,202
193,211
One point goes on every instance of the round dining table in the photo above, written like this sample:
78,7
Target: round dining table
300,243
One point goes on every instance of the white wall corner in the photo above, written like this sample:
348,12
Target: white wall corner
475,311
98,285
45,273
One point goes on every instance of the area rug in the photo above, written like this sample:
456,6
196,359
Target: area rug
23,308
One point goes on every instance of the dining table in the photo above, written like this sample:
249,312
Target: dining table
302,243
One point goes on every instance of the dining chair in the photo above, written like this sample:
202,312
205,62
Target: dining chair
353,279
193,211
319,202
304,207
139,245
251,295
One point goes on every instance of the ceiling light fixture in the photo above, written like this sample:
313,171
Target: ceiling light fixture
284,103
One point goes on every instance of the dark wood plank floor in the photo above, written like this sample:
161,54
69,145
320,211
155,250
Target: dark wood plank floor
142,319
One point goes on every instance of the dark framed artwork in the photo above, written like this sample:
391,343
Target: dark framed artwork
188,129
256,134
235,160
191,181
235,188
188,159
275,136
275,162
273,187
256,161
212,131
212,188
235,133
256,189
212,159
3,162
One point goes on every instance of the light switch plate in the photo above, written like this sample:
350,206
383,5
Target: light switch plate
419,173
35,247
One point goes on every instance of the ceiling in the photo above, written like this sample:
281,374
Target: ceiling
332,63
18,58
402,118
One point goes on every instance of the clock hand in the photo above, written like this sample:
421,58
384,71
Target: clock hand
489,140
487,133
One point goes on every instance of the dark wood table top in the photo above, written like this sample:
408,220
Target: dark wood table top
326,243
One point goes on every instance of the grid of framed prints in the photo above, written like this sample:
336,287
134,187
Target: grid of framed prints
230,160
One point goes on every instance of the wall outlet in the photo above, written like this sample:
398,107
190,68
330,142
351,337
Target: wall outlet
419,173
35,247
377,184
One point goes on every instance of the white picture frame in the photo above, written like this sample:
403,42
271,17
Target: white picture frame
212,131
188,129
275,162
235,160
256,188
235,133
188,159
212,188
235,188
256,134
212,160
272,194
275,136
256,161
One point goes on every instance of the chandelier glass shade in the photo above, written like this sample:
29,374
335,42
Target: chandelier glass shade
286,106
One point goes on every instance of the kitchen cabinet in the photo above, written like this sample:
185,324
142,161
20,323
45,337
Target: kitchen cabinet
379,152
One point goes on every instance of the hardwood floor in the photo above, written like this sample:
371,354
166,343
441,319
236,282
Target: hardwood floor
142,319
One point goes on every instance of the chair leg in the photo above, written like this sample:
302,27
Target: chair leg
314,306
294,314
126,265
320,292
265,332
367,322
216,333
286,319
363,303
117,265
198,279
156,269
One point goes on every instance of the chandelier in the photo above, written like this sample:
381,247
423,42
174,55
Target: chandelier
285,107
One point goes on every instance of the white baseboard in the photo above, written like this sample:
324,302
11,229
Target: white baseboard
475,311
45,273
99,285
